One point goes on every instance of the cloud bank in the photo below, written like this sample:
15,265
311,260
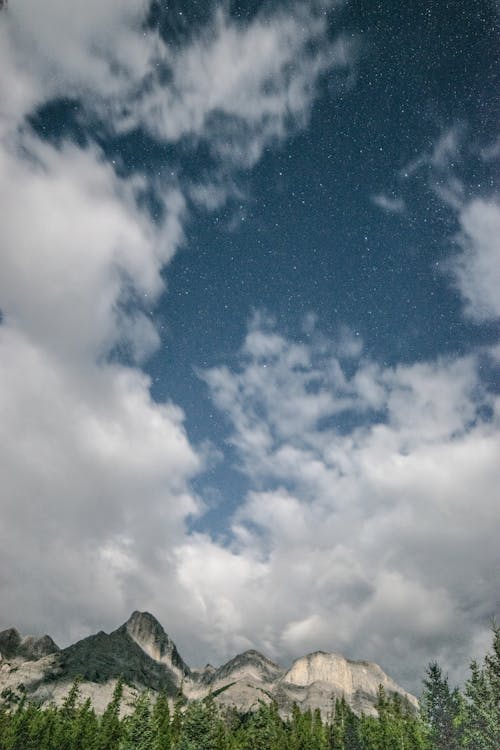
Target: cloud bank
361,533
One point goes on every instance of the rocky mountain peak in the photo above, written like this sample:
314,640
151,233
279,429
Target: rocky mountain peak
358,681
10,640
250,664
144,627
146,631
14,646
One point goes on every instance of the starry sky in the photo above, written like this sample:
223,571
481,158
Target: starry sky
249,332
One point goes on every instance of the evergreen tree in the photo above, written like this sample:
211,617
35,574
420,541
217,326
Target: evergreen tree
44,729
352,740
85,728
338,725
4,726
318,732
64,728
138,728
481,720
18,736
199,729
109,734
161,723
177,720
440,709
262,731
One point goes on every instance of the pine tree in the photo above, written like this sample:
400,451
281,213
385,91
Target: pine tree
138,727
198,728
177,720
110,732
65,718
85,728
440,709
318,732
261,732
161,723
5,718
19,730
338,725
481,720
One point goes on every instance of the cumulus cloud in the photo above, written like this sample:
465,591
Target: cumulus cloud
360,536
476,268
86,450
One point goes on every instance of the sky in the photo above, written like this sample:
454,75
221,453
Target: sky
249,328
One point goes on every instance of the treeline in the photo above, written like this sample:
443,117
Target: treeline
449,719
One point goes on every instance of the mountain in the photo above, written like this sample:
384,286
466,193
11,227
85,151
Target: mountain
141,652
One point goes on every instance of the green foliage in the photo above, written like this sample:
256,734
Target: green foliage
110,729
160,720
441,710
481,724
138,728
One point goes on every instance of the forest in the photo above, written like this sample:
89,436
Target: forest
449,719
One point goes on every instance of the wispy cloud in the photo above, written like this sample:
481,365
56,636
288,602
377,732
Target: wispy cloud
442,156
391,204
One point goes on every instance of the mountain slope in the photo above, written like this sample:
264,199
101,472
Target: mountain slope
145,657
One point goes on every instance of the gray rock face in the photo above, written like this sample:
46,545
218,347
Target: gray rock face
29,648
146,631
319,677
250,665
141,652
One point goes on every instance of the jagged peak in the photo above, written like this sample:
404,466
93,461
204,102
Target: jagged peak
147,632
145,620
252,654
251,664
13,644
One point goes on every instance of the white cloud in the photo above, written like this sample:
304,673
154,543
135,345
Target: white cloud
239,87
76,249
376,540
476,269
95,475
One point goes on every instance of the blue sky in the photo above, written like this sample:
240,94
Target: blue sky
249,288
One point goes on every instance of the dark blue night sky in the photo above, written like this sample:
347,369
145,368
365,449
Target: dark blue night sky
324,352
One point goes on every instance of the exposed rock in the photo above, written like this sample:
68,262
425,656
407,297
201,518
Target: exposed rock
10,640
141,652
250,665
35,648
321,676
102,657
30,647
149,635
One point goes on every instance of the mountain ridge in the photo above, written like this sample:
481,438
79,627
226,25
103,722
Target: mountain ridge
145,657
